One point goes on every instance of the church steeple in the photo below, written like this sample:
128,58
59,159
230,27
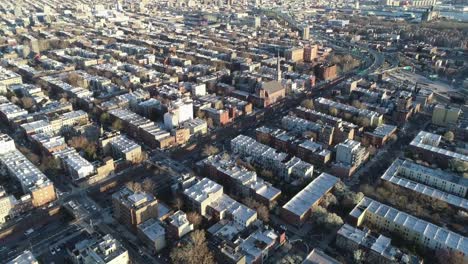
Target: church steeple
278,69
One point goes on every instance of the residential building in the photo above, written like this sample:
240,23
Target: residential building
299,208
350,153
26,257
377,247
368,117
427,145
8,77
295,54
380,135
317,256
122,147
30,178
133,208
153,234
279,162
412,229
77,166
178,225
207,198
105,250
445,115
7,205
239,180
435,183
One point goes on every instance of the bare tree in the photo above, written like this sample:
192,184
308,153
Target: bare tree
117,125
178,203
262,210
196,251
195,219
209,150
308,103
449,136
149,185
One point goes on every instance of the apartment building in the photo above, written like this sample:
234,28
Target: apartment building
285,166
9,111
320,257
350,153
239,180
378,248
368,117
121,147
375,214
48,144
7,205
435,183
137,126
153,234
105,250
298,209
77,166
343,130
319,132
133,208
8,77
294,54
207,198
178,112
427,145
31,179
445,115
379,136
178,225
54,126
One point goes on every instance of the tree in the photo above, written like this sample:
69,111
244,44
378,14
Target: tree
268,174
117,125
195,219
262,210
134,186
372,150
323,217
449,136
393,137
27,102
457,165
333,111
209,150
209,122
308,103
358,256
178,203
104,118
328,199
444,256
79,142
196,250
149,185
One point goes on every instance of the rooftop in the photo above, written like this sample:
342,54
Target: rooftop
302,202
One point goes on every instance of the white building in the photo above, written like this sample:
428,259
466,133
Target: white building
106,250
179,112
25,258
179,225
77,166
350,152
7,205
413,229
153,233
